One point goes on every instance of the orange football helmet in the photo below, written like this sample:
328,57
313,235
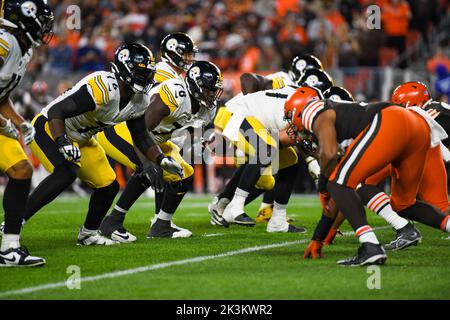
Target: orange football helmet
413,93
295,105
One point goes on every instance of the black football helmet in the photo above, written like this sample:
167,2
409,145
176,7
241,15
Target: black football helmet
302,63
135,65
316,78
339,94
204,83
176,48
34,18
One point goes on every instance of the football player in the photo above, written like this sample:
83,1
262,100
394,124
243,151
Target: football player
323,82
365,133
24,25
65,129
177,52
175,106
433,186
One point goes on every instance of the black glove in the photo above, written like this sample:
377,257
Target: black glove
154,175
322,184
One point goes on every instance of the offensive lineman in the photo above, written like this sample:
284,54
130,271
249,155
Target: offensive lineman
64,141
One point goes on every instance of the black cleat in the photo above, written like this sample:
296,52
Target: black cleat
163,229
110,224
368,253
216,218
19,257
295,229
244,220
406,236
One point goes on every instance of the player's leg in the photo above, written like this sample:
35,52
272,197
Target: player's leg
97,173
259,146
370,152
284,184
62,172
15,164
117,143
162,225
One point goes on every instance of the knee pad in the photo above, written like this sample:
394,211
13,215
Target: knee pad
265,182
112,189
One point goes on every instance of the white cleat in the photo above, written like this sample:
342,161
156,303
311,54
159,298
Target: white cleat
90,238
19,257
216,209
123,236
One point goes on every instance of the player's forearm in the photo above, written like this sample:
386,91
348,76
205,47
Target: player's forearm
7,111
57,128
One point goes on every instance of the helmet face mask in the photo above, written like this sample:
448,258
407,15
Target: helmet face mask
135,65
204,83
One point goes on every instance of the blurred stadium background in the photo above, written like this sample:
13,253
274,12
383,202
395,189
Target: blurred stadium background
250,36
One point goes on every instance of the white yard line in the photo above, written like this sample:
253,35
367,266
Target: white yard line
213,235
158,266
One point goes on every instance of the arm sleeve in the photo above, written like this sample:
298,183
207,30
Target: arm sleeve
141,137
77,103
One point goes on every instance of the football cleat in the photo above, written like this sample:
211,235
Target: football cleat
243,220
123,236
110,224
90,238
164,229
216,209
19,257
368,253
287,228
406,236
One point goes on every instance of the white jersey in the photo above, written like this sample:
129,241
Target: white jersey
281,78
104,89
174,94
164,71
266,106
14,63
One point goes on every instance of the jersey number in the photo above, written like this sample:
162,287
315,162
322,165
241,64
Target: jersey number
276,95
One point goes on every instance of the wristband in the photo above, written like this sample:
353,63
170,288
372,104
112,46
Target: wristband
322,184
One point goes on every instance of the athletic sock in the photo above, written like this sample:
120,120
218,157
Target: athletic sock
322,228
99,204
10,241
239,198
162,215
264,205
366,234
14,202
278,219
118,213
381,205
268,197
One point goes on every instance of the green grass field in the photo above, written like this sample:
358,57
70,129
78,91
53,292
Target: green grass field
213,265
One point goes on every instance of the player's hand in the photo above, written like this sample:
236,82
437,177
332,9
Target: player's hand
313,167
70,152
313,250
154,175
28,132
171,166
9,130
329,239
324,201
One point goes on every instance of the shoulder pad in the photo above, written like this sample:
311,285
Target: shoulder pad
173,93
103,87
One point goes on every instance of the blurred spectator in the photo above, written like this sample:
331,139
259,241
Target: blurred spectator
442,84
440,58
395,16
369,42
89,57
60,56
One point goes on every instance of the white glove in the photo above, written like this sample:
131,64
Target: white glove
313,167
70,152
9,130
171,166
28,132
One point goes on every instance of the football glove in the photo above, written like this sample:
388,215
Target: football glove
69,151
154,176
28,132
313,168
171,166
329,239
313,250
9,130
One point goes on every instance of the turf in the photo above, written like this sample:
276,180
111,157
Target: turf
275,273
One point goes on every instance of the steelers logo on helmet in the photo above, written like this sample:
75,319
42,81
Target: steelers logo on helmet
29,9
335,98
194,73
124,55
172,44
312,80
300,65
